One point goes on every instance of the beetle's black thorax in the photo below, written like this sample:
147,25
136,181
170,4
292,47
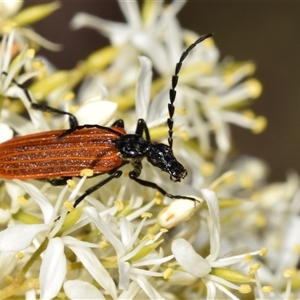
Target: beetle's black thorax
131,147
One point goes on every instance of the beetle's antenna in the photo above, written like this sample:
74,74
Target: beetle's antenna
172,94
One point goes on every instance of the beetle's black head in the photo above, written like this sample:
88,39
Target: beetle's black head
161,156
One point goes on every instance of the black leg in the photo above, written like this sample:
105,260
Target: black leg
72,119
142,127
71,130
156,187
95,187
118,123
59,181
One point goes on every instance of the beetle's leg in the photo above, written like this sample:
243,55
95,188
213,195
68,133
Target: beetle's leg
157,187
59,181
72,119
142,127
118,123
95,187
135,173
71,130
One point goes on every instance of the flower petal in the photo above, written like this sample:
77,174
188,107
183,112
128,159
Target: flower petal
6,132
14,191
131,13
96,112
145,285
124,272
53,269
118,33
143,87
95,268
104,228
19,237
188,259
78,289
41,200
5,216
35,115
214,224
211,289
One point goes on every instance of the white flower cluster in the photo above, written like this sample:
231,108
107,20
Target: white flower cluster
125,240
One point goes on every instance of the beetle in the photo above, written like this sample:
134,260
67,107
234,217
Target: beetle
63,154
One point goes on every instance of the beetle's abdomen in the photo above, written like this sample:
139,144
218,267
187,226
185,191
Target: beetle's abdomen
42,155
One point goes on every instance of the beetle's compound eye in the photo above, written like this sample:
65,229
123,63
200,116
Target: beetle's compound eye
177,177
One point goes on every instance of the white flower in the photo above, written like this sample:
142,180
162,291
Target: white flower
127,246
200,267
9,74
145,35
53,268
218,88
11,17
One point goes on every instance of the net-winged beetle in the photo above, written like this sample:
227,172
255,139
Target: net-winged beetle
65,153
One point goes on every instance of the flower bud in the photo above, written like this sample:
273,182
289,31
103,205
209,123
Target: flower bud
177,211
35,13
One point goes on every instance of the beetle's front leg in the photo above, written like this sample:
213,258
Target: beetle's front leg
141,127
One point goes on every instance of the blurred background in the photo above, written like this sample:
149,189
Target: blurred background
267,33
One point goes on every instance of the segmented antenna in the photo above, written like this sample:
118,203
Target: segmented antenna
172,94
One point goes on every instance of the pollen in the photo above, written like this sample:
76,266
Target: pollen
263,251
254,87
261,220
30,53
8,26
119,205
71,183
68,205
288,273
248,113
181,111
150,236
20,255
267,289
255,267
68,96
22,200
146,215
248,257
103,244
247,182
207,168
245,289
185,136
157,198
248,68
87,172
260,125
168,273
38,64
